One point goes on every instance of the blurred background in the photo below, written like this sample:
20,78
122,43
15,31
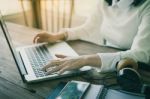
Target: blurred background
49,15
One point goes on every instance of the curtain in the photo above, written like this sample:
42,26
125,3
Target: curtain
49,15
56,14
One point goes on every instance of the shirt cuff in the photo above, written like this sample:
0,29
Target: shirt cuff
71,34
109,61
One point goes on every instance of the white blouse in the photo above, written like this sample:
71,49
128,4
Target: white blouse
121,28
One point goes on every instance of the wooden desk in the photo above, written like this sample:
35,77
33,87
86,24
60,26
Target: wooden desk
11,85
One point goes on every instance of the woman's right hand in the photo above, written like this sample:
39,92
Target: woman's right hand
47,37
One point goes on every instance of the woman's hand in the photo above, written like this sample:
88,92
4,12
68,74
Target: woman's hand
46,37
65,63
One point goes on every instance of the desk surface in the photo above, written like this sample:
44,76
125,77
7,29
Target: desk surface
11,85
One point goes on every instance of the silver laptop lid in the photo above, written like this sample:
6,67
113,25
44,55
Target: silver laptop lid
15,55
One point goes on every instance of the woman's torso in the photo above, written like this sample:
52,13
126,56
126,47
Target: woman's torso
119,27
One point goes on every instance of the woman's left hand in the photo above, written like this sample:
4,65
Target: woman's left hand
65,63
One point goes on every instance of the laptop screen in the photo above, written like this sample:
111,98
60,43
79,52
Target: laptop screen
18,61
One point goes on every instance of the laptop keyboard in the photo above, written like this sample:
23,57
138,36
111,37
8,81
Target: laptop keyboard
38,56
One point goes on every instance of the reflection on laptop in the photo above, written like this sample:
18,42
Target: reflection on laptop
31,58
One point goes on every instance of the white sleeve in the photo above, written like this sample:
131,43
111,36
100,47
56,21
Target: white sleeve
89,30
109,61
140,49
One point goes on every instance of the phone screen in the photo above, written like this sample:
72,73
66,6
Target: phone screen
73,90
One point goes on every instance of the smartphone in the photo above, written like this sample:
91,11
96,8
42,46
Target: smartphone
73,90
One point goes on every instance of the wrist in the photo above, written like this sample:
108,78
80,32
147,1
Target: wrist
62,35
59,37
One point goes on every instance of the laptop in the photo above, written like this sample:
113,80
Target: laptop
30,59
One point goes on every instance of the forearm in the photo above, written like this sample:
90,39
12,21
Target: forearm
92,60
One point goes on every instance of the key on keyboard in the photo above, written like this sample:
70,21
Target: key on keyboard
38,56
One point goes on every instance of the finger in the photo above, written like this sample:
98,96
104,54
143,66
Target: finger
34,40
73,66
39,40
51,64
60,56
47,66
52,70
63,69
